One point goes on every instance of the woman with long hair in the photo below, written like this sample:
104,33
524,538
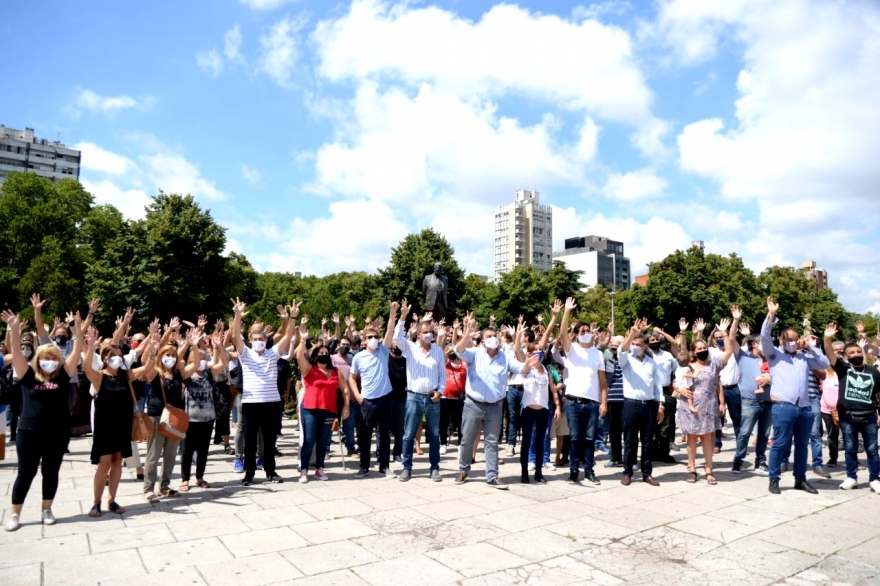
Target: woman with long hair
44,425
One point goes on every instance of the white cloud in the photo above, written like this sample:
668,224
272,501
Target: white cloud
252,176
210,61
280,53
580,66
87,99
130,202
265,4
171,172
94,158
232,245
232,44
635,186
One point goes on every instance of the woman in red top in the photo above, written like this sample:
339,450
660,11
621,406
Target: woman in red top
452,402
318,409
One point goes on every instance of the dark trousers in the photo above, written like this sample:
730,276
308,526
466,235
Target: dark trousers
733,402
33,447
221,426
514,406
398,418
198,439
450,411
665,434
833,437
259,417
639,421
376,413
537,419
615,429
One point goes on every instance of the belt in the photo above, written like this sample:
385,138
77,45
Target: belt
579,399
428,394
520,387
640,401
728,387
478,402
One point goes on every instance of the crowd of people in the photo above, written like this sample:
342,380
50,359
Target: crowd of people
165,391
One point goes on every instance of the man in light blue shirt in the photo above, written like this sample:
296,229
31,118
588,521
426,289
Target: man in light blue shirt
757,409
486,388
790,368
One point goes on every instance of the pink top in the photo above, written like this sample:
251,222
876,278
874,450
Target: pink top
829,393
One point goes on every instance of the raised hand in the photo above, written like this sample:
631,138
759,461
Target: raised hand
744,330
37,302
492,319
539,318
174,324
94,305
736,312
723,326
533,361
682,324
860,326
93,340
405,308
830,331
282,311
69,318
10,318
335,318
428,316
294,308
154,326
323,323
772,306
304,325
23,326
556,307
699,324
456,324
570,304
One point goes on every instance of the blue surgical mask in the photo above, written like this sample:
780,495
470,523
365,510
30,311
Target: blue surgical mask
540,356
720,343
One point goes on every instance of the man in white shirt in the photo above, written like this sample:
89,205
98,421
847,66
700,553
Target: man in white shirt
586,395
643,403
730,378
667,363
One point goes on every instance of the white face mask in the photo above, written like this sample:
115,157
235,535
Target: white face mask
115,362
49,366
373,343
637,351
585,338
169,361
791,347
427,338
258,345
491,343
203,364
27,352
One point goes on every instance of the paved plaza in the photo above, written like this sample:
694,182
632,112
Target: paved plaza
382,531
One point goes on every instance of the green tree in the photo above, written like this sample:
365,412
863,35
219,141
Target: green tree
797,297
563,283
521,291
478,296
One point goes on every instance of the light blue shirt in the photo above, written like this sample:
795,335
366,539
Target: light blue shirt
486,375
641,378
790,372
750,367
373,369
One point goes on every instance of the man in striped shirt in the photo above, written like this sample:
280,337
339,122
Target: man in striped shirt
425,381
615,403
259,394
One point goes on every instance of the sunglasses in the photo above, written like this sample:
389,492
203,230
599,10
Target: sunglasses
371,336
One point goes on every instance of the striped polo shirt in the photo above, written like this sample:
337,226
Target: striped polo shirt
260,376
615,381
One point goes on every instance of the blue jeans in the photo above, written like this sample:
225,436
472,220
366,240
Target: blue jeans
473,417
398,417
583,420
514,407
351,423
316,428
416,407
851,432
733,400
604,427
790,421
546,443
816,432
758,413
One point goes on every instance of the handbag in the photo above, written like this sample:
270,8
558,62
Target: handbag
174,421
141,424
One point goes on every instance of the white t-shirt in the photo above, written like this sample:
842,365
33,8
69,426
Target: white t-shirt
583,366
730,374
260,376
536,389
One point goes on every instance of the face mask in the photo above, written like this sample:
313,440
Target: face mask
791,347
61,340
135,343
427,338
491,343
702,355
719,344
203,364
637,351
49,366
654,347
344,350
540,356
373,343
115,362
760,348
613,351
323,359
585,338
857,361
27,352
452,356
258,345
169,361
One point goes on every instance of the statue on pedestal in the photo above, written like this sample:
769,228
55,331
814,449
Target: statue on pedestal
807,329
435,287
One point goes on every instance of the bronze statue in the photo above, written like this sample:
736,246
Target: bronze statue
435,287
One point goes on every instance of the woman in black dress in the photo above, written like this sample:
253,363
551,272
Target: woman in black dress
114,406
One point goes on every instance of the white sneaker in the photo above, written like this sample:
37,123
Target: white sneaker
48,517
531,466
13,524
443,450
510,451
319,474
550,466
850,483
303,477
875,486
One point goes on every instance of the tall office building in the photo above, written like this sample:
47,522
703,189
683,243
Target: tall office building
601,260
20,152
523,234
811,271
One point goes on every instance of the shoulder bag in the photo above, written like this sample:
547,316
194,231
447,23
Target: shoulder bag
141,425
174,421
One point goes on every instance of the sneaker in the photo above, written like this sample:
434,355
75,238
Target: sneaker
591,478
398,459
510,451
785,468
404,475
761,469
875,486
819,471
275,479
603,449
361,473
238,467
303,477
573,478
613,464
497,484
260,464
673,447
737,468
462,476
774,487
48,517
805,486
13,524
550,466
247,481
532,466
849,484
319,474
435,476
443,450
387,473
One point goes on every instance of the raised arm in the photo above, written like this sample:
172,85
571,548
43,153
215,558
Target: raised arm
699,326
470,328
304,365
564,337
518,336
37,304
72,360
392,316
637,328
92,343
290,325
400,334
830,332
767,328
674,348
282,329
238,313
19,362
724,328
545,339
219,358
94,304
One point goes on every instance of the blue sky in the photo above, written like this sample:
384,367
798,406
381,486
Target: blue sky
321,133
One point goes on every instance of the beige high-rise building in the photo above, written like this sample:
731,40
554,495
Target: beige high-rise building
812,271
523,234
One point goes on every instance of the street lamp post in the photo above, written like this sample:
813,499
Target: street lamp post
613,286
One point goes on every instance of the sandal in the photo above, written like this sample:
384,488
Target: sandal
692,476
184,486
710,478
150,497
230,451
114,506
95,512
202,483
165,492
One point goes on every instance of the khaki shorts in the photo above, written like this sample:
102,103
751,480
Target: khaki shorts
559,427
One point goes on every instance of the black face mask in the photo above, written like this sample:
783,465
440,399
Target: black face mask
344,350
655,347
323,359
702,356
857,361
61,340
452,355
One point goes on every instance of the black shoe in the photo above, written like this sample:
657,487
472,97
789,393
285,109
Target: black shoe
540,479
573,478
805,486
667,459
275,479
832,464
247,481
737,468
361,473
277,453
524,479
591,478
774,487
